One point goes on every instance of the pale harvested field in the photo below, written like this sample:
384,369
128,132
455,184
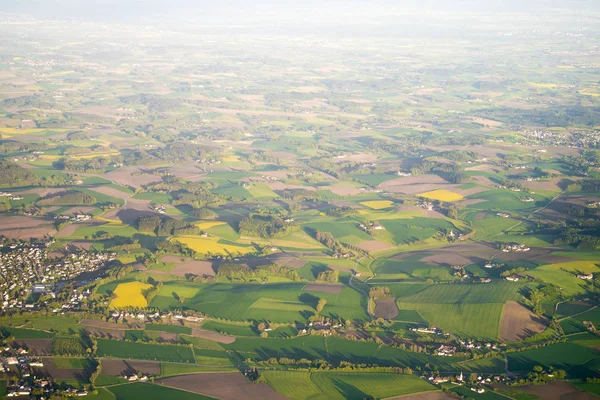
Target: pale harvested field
470,202
111,325
424,396
214,336
188,172
131,211
558,390
39,347
108,191
550,185
323,287
125,176
195,267
415,184
42,192
359,158
79,210
112,367
373,245
519,323
343,190
17,227
224,386
386,309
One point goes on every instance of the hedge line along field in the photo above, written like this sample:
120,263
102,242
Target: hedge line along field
276,302
334,350
301,385
141,351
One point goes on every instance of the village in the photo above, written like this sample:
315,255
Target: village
28,275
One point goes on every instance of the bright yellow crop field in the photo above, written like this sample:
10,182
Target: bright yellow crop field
442,195
130,295
377,204
208,224
212,245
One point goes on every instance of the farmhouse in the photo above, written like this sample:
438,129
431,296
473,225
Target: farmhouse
447,351
586,276
513,278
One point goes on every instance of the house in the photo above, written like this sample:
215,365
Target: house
447,351
439,379
512,278
585,276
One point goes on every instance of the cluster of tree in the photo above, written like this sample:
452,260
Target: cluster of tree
243,271
67,198
427,166
326,365
173,246
380,293
584,234
329,275
14,175
298,194
539,376
123,243
199,278
265,226
340,212
202,213
175,153
96,164
151,292
67,346
165,226
459,155
14,146
330,241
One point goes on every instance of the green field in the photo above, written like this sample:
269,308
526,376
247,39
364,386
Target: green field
276,302
140,351
567,356
466,310
149,391
169,328
300,385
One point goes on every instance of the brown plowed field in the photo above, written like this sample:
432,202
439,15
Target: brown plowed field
323,287
224,386
518,322
125,176
109,191
217,337
195,267
112,367
386,309
17,227
373,245
39,347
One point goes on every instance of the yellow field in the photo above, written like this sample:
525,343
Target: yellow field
15,131
109,220
442,195
208,224
584,267
212,245
590,92
543,85
377,204
130,295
